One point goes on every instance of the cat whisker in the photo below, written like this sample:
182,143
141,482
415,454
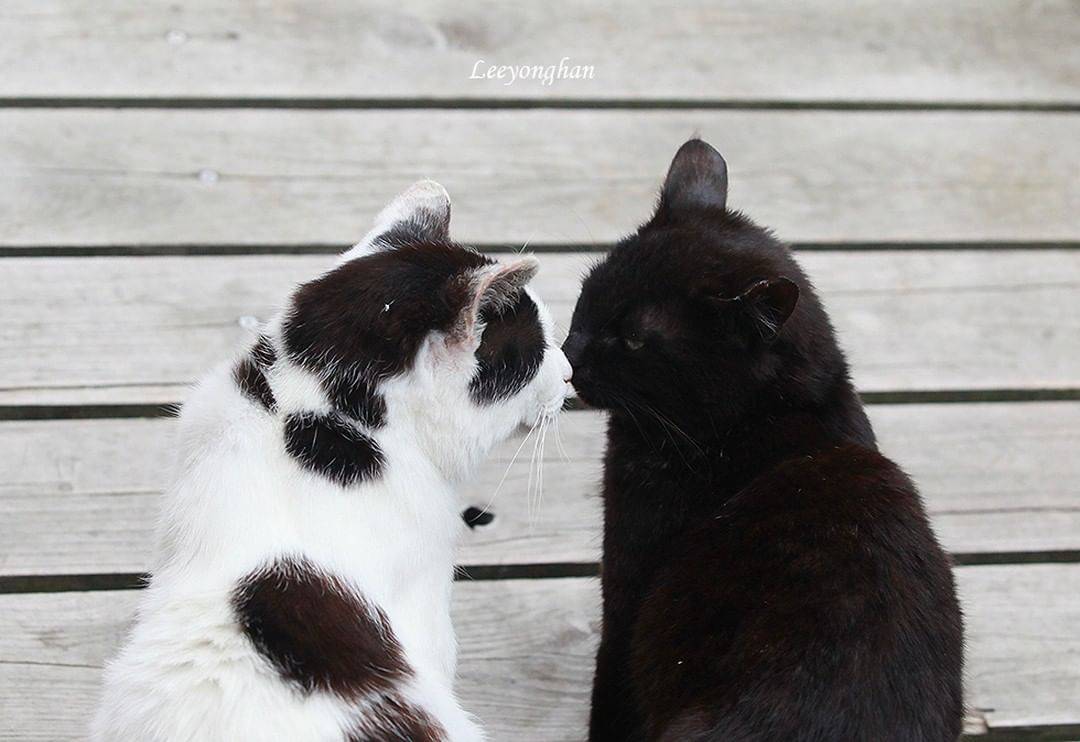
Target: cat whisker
529,483
540,464
628,404
506,473
624,404
558,440
536,462
525,245
671,425
666,421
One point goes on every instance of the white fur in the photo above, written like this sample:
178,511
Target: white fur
187,672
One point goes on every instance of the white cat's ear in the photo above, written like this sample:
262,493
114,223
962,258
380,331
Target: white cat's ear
495,287
421,213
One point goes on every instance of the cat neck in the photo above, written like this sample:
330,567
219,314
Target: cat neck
386,411
717,450
242,499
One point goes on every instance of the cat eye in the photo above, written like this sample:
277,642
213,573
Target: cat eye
633,343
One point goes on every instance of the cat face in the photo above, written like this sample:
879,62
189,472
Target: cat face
415,331
694,312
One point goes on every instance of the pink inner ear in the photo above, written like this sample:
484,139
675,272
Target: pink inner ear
497,285
500,284
503,285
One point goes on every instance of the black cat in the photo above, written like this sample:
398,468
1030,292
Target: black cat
767,573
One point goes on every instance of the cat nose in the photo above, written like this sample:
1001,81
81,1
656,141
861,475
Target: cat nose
567,370
574,347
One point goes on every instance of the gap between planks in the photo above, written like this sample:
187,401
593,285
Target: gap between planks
328,248
542,635
917,396
91,582
79,583
526,104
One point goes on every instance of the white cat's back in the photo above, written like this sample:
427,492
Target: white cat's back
188,671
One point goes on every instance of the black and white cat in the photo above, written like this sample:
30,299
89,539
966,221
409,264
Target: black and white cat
301,589
767,573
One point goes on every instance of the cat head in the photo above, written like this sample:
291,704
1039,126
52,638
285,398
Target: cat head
698,311
413,331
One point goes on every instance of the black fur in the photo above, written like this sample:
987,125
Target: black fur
263,353
331,445
368,316
250,375
511,351
394,719
252,382
474,516
359,400
767,574
318,633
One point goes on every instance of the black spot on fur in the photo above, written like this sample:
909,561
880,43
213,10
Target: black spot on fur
331,445
252,382
369,315
358,400
250,375
474,516
511,350
317,632
263,353
393,719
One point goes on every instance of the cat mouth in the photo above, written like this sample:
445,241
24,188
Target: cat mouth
588,397
558,403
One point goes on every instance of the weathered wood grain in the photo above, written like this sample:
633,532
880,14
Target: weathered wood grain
125,330
1007,51
525,657
533,640
101,177
79,496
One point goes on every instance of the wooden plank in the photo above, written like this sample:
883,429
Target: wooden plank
101,177
534,641
513,637
1023,650
995,477
1007,51
79,496
128,330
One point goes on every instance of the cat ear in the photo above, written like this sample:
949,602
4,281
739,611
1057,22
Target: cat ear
697,179
495,286
769,303
420,213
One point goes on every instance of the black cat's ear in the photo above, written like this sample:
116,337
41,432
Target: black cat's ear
769,303
420,213
697,179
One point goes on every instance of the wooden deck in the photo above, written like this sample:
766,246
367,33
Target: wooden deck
169,169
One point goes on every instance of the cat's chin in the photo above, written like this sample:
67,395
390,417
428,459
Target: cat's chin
589,398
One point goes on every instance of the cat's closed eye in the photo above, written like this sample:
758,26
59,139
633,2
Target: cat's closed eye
633,342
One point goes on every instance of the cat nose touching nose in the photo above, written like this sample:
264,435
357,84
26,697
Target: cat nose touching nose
574,347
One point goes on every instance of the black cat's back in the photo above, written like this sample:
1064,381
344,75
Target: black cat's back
767,573
818,587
